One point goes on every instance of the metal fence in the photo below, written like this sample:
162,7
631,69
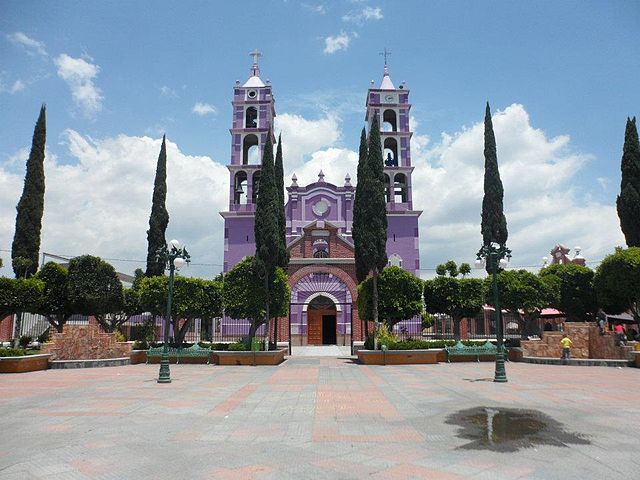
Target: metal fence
222,329
482,326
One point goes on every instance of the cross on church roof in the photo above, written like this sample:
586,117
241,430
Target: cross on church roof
386,53
255,54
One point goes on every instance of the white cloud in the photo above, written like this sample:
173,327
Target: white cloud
301,138
319,9
204,109
101,203
79,74
336,43
543,206
16,87
29,44
366,14
168,92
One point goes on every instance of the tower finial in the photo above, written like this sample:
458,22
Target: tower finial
255,70
385,53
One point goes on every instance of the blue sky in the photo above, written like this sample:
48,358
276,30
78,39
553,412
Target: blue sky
562,76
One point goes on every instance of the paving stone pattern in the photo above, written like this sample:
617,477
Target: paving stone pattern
309,418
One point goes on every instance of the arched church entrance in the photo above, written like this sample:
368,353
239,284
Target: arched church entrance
321,309
321,321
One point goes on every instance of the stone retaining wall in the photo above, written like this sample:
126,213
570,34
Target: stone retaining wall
587,343
85,342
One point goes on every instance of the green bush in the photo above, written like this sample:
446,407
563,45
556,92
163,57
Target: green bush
140,345
386,338
220,346
120,336
12,352
25,340
44,336
237,347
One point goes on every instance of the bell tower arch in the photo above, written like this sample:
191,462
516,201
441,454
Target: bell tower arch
253,113
391,106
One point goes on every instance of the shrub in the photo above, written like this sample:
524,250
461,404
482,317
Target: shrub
220,346
25,340
44,336
120,336
237,347
12,352
385,337
140,345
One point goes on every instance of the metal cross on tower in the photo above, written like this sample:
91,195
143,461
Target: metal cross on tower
255,54
385,54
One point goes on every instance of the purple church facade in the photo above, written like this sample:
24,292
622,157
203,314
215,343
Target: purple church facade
320,215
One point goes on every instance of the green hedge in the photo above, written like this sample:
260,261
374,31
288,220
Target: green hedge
12,352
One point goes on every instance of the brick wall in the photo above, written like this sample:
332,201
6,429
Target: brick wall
6,328
85,342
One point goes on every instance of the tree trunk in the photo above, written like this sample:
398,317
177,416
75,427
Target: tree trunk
17,327
266,322
252,332
456,327
531,327
58,321
181,332
375,307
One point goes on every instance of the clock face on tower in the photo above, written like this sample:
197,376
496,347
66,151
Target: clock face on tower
389,98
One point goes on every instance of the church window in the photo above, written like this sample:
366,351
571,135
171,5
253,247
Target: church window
320,249
251,118
255,187
240,189
390,152
389,121
250,150
395,260
400,188
387,187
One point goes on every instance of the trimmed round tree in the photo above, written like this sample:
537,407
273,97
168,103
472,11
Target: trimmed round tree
93,288
244,295
399,296
572,288
458,298
55,305
617,282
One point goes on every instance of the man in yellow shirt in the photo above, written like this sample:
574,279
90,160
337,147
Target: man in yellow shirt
566,347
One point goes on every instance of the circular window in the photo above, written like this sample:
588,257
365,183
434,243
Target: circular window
252,94
320,208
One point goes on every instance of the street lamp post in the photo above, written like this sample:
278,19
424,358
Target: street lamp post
495,257
174,257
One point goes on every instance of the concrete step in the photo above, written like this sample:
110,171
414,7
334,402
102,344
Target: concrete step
583,362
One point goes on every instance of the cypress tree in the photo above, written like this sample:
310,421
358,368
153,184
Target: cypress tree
361,268
266,228
494,223
628,201
283,255
159,218
26,240
370,228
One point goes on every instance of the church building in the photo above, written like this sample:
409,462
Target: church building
321,271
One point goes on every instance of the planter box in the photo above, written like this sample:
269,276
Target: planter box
26,363
635,359
401,357
138,356
272,357
181,360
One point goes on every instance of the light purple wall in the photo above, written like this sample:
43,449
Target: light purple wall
405,244
239,240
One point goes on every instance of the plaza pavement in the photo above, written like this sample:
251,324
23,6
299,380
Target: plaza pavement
309,418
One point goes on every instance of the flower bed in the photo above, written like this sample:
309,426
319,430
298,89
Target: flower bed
230,357
401,357
17,362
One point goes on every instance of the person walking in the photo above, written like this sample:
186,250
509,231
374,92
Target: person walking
620,334
602,318
566,347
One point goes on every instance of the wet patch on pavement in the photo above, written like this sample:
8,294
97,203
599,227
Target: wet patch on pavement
510,429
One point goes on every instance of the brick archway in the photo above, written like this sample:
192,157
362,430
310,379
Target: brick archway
341,274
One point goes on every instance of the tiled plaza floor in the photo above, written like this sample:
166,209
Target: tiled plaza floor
309,418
